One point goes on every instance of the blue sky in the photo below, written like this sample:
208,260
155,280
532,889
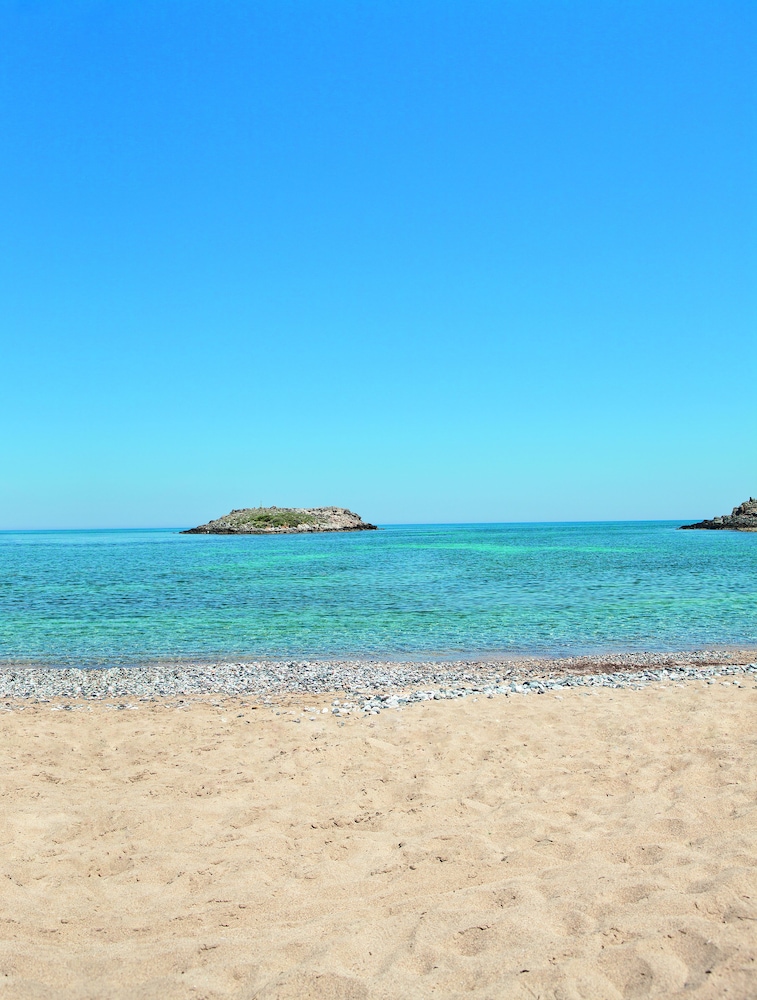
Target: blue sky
448,261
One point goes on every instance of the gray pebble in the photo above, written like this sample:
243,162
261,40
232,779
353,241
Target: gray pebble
370,685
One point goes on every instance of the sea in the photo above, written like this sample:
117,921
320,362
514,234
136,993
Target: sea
404,592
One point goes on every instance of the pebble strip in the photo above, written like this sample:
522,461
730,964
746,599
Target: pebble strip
371,685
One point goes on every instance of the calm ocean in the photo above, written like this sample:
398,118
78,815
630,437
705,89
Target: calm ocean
124,597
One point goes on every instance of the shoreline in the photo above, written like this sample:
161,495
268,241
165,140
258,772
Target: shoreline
373,683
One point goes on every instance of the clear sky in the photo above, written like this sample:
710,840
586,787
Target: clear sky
435,261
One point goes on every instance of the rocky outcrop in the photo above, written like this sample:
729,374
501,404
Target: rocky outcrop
742,518
283,521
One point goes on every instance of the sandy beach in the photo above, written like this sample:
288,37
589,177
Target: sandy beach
587,844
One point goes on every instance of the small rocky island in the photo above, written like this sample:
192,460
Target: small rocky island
742,518
283,521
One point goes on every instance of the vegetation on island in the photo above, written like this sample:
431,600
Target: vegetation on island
261,518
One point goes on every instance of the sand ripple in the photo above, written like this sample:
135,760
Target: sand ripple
603,845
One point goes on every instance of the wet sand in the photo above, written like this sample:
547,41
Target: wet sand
591,844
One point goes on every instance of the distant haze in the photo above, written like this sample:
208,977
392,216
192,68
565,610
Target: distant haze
468,261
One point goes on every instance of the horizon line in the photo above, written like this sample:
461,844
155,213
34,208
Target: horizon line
383,524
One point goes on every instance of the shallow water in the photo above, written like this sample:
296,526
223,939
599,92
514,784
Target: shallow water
95,597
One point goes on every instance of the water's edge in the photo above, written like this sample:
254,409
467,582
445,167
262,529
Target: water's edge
274,679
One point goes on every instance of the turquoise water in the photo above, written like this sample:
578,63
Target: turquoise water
96,597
